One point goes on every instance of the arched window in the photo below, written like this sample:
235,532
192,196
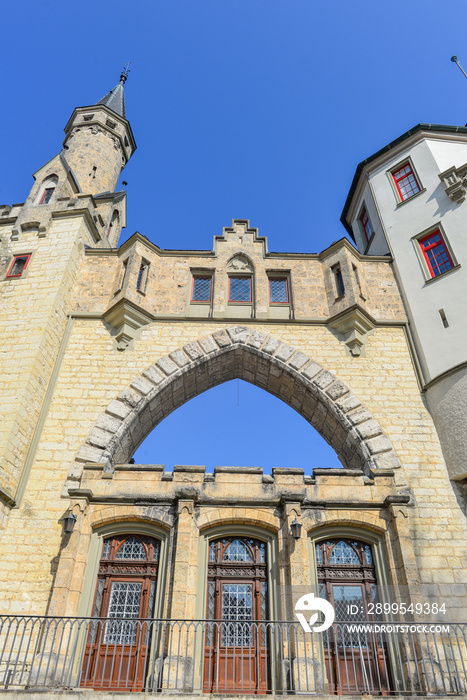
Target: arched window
237,597
47,189
113,225
124,599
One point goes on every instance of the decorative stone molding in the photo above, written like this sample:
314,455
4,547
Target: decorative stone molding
455,181
238,351
126,319
240,263
354,326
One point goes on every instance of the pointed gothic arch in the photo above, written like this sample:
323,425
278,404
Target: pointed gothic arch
240,352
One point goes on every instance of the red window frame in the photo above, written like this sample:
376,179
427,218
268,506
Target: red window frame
16,257
279,277
201,301
437,247
366,224
45,193
398,176
242,277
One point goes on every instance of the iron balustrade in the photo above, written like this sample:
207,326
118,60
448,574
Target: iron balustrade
263,657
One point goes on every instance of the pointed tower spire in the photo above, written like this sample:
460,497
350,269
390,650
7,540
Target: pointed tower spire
99,141
115,99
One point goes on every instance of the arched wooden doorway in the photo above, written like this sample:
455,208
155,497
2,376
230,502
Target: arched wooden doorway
356,661
117,648
236,655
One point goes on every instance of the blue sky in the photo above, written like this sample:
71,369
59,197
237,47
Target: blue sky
257,109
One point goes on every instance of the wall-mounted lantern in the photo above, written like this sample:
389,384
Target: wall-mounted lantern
69,523
296,529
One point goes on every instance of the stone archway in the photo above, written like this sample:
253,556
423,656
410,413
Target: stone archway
240,352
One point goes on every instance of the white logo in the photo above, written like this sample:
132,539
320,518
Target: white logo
308,603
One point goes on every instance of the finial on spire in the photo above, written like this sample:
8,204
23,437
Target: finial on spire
124,74
454,60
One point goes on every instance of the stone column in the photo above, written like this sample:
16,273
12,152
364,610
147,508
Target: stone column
180,659
303,649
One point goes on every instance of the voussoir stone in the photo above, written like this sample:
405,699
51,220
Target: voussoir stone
208,345
348,402
336,390
166,365
369,429
141,385
298,361
239,334
129,396
179,357
311,370
284,352
86,453
270,346
256,339
221,338
378,444
118,409
324,379
153,375
109,423
193,350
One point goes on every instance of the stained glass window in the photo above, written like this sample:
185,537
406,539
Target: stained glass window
343,553
237,551
132,548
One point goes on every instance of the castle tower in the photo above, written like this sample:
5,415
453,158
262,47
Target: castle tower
99,141
408,200
71,207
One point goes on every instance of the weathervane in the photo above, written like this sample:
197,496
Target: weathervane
124,74
454,60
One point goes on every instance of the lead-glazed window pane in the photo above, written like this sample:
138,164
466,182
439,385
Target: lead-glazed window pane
132,548
125,603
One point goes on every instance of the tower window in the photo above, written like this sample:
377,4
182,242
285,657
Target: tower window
339,280
47,195
18,266
405,181
201,289
240,289
366,225
278,290
436,254
142,276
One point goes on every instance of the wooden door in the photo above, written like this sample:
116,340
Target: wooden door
117,648
236,650
356,661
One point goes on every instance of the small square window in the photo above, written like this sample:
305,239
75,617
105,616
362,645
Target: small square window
202,288
18,265
405,181
278,290
240,289
436,254
366,225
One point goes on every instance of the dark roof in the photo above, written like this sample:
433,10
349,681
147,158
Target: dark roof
420,127
115,100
